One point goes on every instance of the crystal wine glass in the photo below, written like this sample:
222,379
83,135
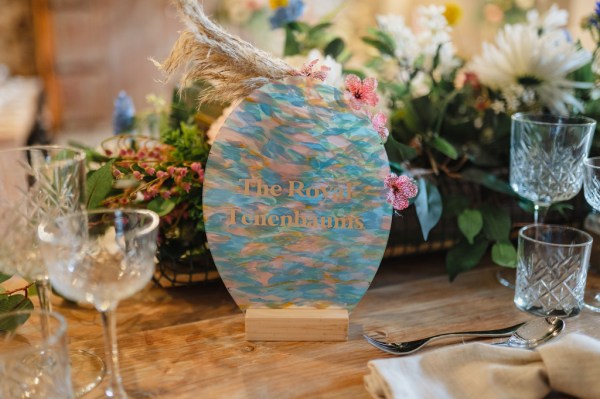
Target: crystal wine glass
102,257
591,191
39,183
546,162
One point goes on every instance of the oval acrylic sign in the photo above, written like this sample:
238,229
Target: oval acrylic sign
294,200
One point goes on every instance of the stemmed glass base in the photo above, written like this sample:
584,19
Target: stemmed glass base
87,371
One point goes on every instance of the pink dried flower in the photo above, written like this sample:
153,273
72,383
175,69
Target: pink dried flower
161,174
201,176
117,173
166,194
137,175
379,121
150,171
196,167
186,187
152,191
171,170
181,172
361,93
402,188
308,71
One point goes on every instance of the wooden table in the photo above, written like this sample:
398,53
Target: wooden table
190,343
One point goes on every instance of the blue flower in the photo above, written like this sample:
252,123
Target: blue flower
123,114
290,13
597,9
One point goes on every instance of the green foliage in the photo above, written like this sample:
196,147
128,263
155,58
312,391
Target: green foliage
99,185
4,277
463,256
504,254
428,204
470,223
12,303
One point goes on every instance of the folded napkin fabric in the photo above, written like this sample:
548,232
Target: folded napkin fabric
570,365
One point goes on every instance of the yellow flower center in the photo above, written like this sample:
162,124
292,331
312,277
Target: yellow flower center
278,3
453,13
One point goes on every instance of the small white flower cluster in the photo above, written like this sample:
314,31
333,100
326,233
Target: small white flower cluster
416,49
530,62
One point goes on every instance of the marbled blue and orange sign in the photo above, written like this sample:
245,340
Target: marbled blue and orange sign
294,201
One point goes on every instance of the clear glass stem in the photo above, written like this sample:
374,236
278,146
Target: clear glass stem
539,213
43,290
115,383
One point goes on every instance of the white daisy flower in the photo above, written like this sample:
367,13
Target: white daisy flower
536,61
553,19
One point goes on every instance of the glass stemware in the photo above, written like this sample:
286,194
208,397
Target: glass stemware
40,183
546,161
591,191
102,257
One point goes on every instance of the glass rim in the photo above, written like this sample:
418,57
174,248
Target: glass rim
80,152
144,230
583,120
588,238
52,339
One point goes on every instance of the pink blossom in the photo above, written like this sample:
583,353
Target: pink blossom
166,194
150,171
379,120
308,71
402,188
117,173
181,171
171,170
152,191
201,176
196,167
161,174
186,187
137,175
361,93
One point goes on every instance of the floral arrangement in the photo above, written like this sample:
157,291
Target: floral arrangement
449,118
156,160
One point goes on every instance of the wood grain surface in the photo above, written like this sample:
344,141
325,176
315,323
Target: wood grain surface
190,342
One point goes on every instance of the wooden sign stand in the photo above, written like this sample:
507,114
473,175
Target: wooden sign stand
296,324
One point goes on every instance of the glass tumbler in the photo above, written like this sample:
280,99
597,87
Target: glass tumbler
552,270
34,362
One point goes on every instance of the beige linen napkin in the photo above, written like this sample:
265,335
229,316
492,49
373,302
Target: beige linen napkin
571,365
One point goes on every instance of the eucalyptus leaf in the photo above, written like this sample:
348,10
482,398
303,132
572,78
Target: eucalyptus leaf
470,223
428,205
380,45
464,256
504,254
444,146
161,206
496,222
99,184
10,304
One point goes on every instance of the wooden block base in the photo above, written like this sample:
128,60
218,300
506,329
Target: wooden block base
297,325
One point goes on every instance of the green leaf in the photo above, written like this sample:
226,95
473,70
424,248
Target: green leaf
464,257
470,223
383,47
504,254
398,152
292,46
487,180
10,304
99,185
4,277
496,223
428,205
443,146
455,204
161,206
334,48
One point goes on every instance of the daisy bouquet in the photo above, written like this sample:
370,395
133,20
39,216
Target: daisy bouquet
449,118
